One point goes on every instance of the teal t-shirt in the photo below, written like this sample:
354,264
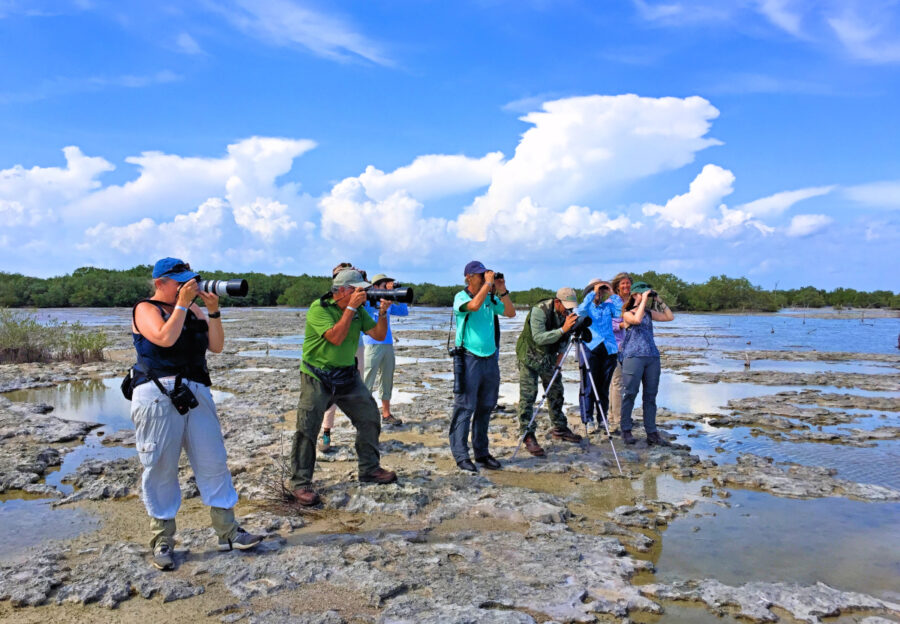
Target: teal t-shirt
320,353
479,328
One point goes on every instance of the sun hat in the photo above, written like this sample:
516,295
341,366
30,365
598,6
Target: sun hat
174,269
640,287
350,277
382,277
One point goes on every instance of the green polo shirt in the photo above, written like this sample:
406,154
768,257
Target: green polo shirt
479,329
317,351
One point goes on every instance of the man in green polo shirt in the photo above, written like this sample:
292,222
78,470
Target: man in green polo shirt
476,368
328,374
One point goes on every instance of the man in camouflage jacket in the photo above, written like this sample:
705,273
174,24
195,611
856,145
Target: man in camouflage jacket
538,351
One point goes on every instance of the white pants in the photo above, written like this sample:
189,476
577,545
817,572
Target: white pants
160,434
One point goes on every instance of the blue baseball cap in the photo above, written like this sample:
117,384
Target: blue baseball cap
474,267
174,269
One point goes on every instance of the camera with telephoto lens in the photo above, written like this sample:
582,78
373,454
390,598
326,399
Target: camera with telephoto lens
399,295
183,399
233,287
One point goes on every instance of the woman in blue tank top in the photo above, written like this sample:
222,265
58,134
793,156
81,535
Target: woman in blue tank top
171,335
640,359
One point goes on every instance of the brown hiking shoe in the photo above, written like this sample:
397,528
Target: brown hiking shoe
380,476
307,496
565,434
532,446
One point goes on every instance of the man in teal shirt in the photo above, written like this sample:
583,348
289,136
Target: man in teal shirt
476,370
328,375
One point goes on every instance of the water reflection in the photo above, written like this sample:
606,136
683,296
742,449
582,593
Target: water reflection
27,520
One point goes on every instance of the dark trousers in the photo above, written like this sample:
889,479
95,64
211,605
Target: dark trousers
603,365
637,372
356,402
473,406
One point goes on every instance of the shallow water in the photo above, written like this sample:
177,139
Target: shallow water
29,521
846,544
722,365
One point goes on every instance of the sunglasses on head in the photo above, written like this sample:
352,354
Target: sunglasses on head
181,267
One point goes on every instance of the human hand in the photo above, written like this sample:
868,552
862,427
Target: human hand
210,300
383,307
500,285
358,298
601,286
569,322
489,278
187,292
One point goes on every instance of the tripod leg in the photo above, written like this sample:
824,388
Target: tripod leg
556,372
590,377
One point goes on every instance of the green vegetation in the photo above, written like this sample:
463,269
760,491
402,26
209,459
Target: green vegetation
91,287
24,339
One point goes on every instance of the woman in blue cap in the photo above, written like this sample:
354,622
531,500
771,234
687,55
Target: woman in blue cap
640,359
171,335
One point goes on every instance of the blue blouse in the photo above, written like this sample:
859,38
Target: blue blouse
639,339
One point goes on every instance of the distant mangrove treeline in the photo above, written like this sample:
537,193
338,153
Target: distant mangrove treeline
92,287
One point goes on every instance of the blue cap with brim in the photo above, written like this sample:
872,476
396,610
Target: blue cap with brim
174,269
474,267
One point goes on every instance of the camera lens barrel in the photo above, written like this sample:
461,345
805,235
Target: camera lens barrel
400,295
233,287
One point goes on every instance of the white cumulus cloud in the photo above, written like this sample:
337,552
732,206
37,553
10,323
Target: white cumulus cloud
432,176
581,146
807,224
779,202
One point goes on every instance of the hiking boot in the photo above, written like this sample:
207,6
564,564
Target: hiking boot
655,438
532,446
325,443
391,420
565,434
307,496
488,461
380,476
466,465
163,558
241,541
627,438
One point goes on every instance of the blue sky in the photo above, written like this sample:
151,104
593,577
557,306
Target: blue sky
557,141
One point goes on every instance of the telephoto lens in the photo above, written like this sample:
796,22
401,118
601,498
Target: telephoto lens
400,295
233,287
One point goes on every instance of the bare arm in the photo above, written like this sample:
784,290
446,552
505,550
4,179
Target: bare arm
664,314
216,331
637,315
478,300
509,310
164,333
379,332
338,332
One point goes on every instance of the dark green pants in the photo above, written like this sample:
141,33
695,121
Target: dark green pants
528,390
359,406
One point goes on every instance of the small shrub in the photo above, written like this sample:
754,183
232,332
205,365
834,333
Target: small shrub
24,339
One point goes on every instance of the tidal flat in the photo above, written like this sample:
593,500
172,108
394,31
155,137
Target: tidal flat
779,500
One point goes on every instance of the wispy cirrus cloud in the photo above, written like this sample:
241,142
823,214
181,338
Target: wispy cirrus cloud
63,85
291,23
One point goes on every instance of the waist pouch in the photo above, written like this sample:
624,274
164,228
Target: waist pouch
338,380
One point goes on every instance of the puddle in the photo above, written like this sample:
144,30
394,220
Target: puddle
27,520
416,342
398,397
842,543
259,369
292,354
444,376
722,365
878,465
403,360
296,339
509,394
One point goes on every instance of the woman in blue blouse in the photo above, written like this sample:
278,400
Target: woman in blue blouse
601,350
640,359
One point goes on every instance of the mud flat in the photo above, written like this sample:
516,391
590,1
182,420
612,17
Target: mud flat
565,538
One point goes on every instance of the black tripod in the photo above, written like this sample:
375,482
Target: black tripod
573,341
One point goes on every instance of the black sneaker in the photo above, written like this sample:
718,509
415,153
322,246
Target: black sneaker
242,541
466,465
655,438
163,558
627,438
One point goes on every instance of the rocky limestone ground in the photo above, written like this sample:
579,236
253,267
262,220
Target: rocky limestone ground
520,545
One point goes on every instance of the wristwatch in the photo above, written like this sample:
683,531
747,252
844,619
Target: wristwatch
216,314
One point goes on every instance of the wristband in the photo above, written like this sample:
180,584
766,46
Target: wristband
216,314
351,308
504,294
178,307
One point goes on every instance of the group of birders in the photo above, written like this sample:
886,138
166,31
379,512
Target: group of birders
348,353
